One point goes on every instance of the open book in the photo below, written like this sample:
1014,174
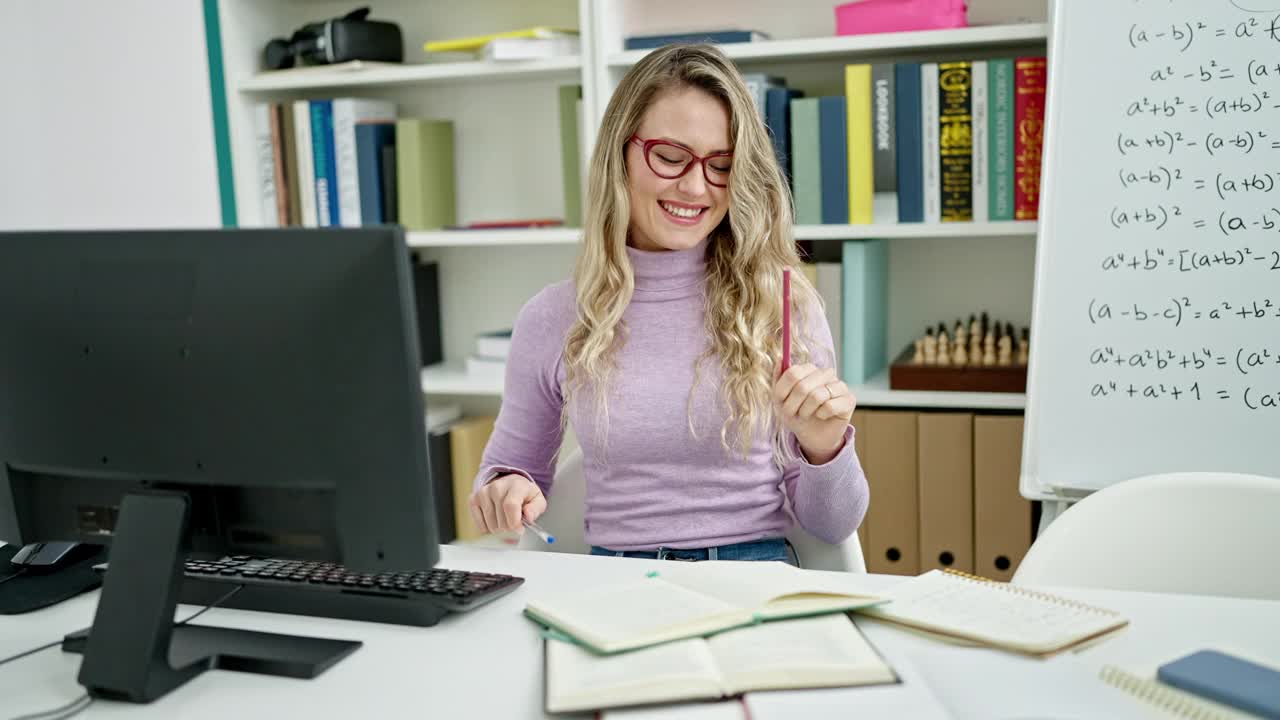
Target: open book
826,651
694,600
993,613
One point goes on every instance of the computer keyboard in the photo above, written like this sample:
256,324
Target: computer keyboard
327,589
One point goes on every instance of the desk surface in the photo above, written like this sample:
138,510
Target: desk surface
487,663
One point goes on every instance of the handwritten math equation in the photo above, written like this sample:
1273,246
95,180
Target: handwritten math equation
1159,216
1240,360
1167,142
1181,311
1192,261
1181,36
1249,397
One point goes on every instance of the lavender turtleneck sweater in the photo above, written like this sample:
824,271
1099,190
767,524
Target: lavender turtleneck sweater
659,485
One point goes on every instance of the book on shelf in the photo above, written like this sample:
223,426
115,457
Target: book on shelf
1029,88
909,142
981,166
818,652
425,173
528,48
572,151
508,224
884,142
955,140
476,43
859,143
692,602
373,139
1000,145
649,42
467,440
347,114
495,344
806,161
487,369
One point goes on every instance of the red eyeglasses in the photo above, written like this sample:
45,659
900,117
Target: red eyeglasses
670,160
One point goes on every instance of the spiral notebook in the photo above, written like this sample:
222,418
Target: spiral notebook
1172,702
996,614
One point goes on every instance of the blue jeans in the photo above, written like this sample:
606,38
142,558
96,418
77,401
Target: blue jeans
768,549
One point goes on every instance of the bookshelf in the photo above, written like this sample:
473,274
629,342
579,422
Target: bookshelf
508,156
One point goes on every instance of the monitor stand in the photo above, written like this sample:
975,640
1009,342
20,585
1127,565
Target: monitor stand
134,651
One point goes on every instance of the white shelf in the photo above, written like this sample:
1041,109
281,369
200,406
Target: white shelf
362,74
991,36
494,238
1013,228
876,393
453,380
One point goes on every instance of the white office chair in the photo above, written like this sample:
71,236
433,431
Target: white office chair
563,519
1198,533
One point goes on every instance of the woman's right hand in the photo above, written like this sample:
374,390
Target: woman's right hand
501,503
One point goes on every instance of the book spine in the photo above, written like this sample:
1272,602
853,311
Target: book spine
425,173
860,144
955,140
278,163
930,159
777,119
832,139
569,95
884,203
864,298
979,190
267,190
1029,84
909,138
370,138
1000,137
304,150
649,42
806,163
288,122
321,140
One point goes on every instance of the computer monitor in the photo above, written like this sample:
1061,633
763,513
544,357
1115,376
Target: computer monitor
271,376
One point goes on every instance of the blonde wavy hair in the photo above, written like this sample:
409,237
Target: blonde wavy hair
746,253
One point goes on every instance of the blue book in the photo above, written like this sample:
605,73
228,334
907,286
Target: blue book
371,138
833,144
777,119
864,316
326,167
648,42
1226,679
910,138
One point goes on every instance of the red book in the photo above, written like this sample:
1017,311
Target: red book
1029,75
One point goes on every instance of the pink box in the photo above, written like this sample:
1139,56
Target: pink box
882,16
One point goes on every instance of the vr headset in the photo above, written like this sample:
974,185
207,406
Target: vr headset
350,37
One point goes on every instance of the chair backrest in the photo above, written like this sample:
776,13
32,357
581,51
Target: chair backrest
1200,533
567,503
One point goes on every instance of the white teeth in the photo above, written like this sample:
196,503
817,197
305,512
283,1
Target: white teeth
680,212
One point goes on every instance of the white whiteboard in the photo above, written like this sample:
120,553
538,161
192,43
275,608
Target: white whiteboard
1156,319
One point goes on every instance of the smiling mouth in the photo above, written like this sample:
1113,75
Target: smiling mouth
681,213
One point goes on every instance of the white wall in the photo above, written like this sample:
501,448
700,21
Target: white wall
105,116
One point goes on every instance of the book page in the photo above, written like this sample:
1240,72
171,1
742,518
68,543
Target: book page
992,613
579,680
810,652
752,585
635,614
722,710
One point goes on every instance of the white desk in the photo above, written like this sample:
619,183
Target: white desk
487,663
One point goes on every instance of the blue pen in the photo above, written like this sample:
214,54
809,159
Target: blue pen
547,537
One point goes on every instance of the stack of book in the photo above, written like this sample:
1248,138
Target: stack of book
526,44
489,361
350,162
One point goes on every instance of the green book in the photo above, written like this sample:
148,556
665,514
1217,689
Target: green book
864,317
806,161
1000,138
425,173
570,163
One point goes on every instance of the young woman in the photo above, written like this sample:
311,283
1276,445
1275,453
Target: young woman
664,350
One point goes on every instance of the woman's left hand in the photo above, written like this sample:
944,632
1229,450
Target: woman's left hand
816,406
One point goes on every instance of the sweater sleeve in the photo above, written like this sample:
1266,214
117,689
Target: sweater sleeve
528,433
828,500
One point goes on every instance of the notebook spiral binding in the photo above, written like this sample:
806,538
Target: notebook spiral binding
1171,700
1046,597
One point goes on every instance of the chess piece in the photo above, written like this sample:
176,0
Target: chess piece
1004,354
1024,346
930,348
960,356
989,348
974,329
918,358
944,346
975,348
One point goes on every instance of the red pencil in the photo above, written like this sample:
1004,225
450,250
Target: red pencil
786,318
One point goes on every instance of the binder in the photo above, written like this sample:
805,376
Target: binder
1001,516
945,463
467,440
893,534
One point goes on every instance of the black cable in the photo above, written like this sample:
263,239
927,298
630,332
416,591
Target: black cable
7,578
